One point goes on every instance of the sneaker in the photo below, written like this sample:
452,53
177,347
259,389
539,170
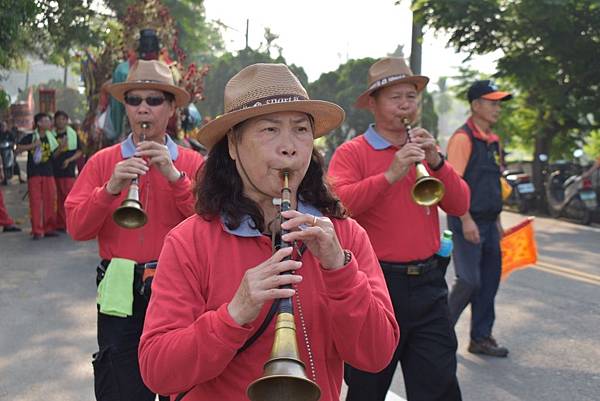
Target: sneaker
11,229
488,346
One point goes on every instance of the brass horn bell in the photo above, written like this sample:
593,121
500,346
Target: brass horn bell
427,190
284,377
131,214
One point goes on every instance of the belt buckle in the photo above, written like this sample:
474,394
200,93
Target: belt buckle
413,270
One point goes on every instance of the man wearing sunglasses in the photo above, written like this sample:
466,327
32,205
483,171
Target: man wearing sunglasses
164,173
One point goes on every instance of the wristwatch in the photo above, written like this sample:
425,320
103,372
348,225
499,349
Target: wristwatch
347,257
440,164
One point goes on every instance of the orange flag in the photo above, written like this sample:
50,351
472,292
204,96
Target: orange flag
518,246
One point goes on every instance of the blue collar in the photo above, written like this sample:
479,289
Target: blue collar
246,226
375,140
128,147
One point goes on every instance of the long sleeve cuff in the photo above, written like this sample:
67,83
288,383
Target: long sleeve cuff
229,331
103,197
339,281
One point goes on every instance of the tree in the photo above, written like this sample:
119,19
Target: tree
229,64
199,37
14,33
342,87
550,50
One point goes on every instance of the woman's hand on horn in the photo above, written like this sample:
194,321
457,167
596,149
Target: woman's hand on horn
319,236
261,284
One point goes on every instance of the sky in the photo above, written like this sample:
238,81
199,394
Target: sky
319,35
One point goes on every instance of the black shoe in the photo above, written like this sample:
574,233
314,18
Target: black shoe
488,346
51,234
11,229
36,237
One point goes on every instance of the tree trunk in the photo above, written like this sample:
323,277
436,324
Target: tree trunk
416,50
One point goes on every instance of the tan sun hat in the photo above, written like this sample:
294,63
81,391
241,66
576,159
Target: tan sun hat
389,71
150,74
268,88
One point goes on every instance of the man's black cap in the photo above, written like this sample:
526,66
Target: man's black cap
486,89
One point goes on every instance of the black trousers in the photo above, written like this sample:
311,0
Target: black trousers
427,348
116,370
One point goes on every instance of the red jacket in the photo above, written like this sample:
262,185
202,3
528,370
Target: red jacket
399,229
190,340
89,207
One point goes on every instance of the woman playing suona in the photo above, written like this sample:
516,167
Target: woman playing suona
219,274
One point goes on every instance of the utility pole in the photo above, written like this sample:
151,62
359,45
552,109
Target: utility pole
416,50
247,27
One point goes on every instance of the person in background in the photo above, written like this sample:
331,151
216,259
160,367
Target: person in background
128,255
40,146
7,223
64,163
219,272
374,174
475,152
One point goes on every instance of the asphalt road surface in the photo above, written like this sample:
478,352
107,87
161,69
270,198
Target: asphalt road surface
548,316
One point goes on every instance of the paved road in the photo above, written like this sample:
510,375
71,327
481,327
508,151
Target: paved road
547,316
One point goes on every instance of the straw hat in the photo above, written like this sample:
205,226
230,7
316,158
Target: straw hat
389,71
150,74
268,88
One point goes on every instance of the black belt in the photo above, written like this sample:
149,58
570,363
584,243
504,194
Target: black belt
414,268
139,267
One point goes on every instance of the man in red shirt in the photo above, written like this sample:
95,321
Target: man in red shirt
373,174
475,152
165,173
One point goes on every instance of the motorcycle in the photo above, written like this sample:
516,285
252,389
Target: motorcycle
523,195
568,194
7,151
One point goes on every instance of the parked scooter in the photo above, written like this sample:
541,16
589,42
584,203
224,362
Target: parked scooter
7,151
568,194
523,195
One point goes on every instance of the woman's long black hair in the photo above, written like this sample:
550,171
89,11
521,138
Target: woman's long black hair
220,190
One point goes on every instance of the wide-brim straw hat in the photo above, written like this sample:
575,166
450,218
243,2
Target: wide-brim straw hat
261,89
389,71
150,74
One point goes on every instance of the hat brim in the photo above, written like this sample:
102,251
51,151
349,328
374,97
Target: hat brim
327,117
497,96
420,82
118,91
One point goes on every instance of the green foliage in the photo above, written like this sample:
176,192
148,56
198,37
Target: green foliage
199,38
429,118
4,100
342,87
14,32
550,58
225,67
592,147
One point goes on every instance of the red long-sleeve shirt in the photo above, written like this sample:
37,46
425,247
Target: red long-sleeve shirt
399,229
190,340
89,207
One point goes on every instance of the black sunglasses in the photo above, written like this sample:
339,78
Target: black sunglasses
150,100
